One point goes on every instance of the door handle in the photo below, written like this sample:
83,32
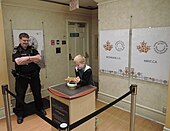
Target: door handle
86,55
70,57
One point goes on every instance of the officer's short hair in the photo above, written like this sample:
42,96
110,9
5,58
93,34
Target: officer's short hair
25,35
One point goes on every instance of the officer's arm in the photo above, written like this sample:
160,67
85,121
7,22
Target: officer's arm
16,57
22,60
35,59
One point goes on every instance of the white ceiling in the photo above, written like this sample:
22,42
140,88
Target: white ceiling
88,4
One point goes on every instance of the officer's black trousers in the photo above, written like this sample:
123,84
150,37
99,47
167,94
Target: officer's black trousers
21,86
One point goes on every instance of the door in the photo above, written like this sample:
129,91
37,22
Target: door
77,43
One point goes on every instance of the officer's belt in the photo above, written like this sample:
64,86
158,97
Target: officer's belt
29,74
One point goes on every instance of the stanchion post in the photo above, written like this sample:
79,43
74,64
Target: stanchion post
7,109
133,88
63,127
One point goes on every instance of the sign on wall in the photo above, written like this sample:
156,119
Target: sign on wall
36,40
151,54
114,46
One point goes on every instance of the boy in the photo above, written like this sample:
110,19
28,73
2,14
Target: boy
83,72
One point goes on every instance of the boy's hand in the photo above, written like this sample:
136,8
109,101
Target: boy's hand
77,80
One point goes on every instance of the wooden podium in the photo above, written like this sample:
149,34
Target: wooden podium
69,105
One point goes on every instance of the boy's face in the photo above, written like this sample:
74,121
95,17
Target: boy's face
79,65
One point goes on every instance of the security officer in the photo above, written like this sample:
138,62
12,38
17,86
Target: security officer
26,72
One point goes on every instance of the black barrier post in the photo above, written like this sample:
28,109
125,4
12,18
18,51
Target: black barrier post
133,88
7,109
63,127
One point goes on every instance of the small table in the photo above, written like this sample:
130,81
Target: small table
69,105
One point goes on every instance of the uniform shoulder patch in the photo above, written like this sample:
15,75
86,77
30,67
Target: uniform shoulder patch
15,49
32,47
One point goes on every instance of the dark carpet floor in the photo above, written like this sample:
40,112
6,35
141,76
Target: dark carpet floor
30,107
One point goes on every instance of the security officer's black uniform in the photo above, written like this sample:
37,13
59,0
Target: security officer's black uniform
27,74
